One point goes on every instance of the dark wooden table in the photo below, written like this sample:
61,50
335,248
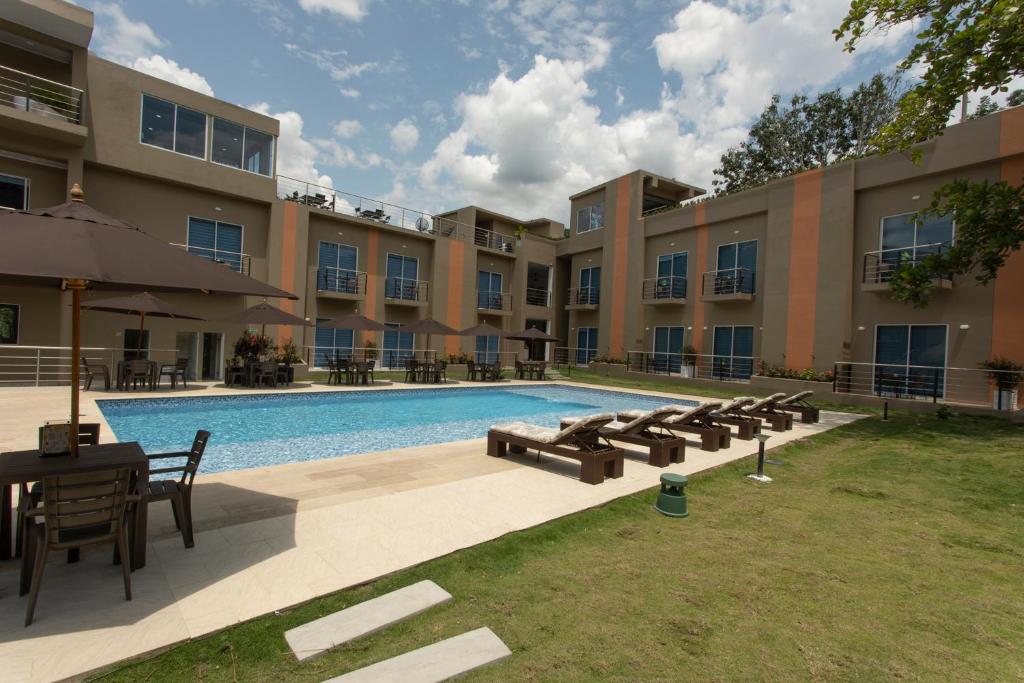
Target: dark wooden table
21,467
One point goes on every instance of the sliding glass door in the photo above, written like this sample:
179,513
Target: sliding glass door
910,360
733,352
668,349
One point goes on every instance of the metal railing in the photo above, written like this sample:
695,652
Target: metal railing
337,201
573,356
236,260
51,365
403,289
394,359
41,96
696,365
341,280
728,281
538,297
588,296
494,301
668,287
880,266
660,209
999,389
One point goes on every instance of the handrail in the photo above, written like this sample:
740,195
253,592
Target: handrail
40,95
493,301
341,280
238,261
665,287
881,265
999,389
404,289
728,281
394,359
22,364
538,297
588,296
720,367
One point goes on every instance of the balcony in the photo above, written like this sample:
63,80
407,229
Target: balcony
404,292
538,297
881,266
488,239
729,284
583,299
235,260
664,290
339,283
494,303
37,106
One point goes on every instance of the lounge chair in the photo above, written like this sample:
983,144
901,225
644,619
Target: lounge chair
94,370
766,409
797,403
581,441
664,447
732,414
695,420
179,491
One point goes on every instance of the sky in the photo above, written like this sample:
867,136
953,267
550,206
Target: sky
512,106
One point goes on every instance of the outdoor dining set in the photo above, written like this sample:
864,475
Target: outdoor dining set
354,372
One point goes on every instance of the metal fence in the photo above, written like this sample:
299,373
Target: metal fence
701,366
728,281
493,301
404,289
395,359
997,389
538,297
40,96
235,260
568,357
668,287
880,266
586,296
341,280
51,365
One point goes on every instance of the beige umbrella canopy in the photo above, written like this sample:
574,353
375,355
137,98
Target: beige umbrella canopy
139,304
264,314
429,327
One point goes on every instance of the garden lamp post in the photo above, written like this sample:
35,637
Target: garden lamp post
760,476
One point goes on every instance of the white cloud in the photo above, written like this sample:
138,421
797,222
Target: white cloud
405,136
170,70
349,92
353,10
348,128
332,62
577,30
334,153
296,156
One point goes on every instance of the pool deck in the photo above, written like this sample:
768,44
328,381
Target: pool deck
273,537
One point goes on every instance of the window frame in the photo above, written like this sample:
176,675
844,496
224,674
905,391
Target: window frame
589,209
907,366
27,191
915,245
241,167
174,129
216,228
17,324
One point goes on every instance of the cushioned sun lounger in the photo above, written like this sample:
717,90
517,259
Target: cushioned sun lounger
732,414
694,420
767,410
664,446
581,441
797,403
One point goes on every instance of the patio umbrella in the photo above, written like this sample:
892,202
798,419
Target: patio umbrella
73,246
354,321
532,335
265,314
482,330
141,304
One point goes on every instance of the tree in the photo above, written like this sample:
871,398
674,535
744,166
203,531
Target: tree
964,46
1015,99
986,106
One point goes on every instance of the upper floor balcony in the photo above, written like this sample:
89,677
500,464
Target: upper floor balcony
538,297
881,266
405,292
494,303
340,283
583,299
38,106
670,289
728,284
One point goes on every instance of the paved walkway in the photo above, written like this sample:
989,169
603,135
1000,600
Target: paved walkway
276,536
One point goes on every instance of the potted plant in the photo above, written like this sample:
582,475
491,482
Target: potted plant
288,353
689,367
252,348
1007,376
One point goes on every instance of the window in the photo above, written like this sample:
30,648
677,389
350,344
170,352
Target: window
903,237
586,344
220,242
330,343
401,278
589,291
538,279
336,270
10,315
737,268
590,218
133,348
173,127
910,360
397,346
668,349
488,292
734,352
671,281
486,350
13,192
237,146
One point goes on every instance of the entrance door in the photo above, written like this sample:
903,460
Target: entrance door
538,350
132,349
187,344
734,350
212,361
668,349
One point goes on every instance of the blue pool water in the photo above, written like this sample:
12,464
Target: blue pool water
268,429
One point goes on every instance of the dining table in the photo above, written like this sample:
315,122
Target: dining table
122,372
23,467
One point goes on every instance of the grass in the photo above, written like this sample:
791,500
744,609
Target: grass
882,550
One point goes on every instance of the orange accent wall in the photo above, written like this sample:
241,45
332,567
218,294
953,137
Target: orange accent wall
696,278
1011,134
620,259
803,270
372,280
456,275
288,235
1007,304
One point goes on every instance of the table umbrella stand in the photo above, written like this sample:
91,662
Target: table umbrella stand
76,286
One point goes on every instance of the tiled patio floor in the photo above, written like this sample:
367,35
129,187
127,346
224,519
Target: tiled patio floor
272,537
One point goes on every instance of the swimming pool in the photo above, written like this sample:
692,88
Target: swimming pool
256,430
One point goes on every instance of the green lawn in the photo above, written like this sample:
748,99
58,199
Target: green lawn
882,550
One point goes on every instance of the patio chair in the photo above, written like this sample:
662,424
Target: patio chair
369,370
581,441
94,370
441,371
179,491
766,409
285,374
138,371
411,368
266,374
797,404
472,371
332,370
520,370
233,374
538,371
77,510
732,414
175,370
663,446
694,420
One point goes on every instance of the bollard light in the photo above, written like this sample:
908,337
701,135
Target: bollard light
671,500
760,476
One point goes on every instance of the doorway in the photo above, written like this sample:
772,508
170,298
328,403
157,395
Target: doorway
187,345
212,342
537,350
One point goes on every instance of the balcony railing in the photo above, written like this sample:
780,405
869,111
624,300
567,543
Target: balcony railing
584,296
538,297
40,96
337,201
403,289
572,356
717,367
494,301
668,287
728,281
997,389
340,280
235,260
880,266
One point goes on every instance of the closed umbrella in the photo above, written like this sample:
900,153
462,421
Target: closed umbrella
429,326
139,304
265,314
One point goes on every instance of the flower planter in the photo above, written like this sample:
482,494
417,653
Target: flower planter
1004,399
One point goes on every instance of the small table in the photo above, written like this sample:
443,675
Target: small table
22,467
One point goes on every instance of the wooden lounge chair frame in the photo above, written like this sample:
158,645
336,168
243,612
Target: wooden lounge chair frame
694,420
767,410
797,404
597,456
747,426
663,447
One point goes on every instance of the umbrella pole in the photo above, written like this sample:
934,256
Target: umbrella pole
76,287
138,344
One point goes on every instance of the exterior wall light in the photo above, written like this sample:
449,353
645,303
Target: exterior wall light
860,328
965,327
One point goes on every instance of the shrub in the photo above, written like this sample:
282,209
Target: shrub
809,374
253,347
288,353
1001,371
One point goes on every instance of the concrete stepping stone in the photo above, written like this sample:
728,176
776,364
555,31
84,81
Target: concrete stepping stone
316,637
434,663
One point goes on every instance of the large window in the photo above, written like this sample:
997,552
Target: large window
734,352
737,268
671,282
221,242
401,279
909,360
586,344
487,349
668,348
590,218
10,315
488,290
330,343
173,127
589,291
237,146
336,271
904,237
13,192
397,346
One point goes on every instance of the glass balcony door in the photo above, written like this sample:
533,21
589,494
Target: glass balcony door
489,290
402,275
668,349
590,286
910,360
337,265
671,276
733,352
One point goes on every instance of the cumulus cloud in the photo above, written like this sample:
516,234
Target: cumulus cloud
332,62
170,70
405,136
348,128
353,10
577,30
296,156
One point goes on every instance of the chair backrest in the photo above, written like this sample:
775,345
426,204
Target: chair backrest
799,396
470,365
89,434
765,403
737,403
181,364
688,414
138,367
87,508
270,367
586,425
370,364
330,362
195,454
649,418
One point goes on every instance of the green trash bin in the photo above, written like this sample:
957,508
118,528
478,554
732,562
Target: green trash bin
672,497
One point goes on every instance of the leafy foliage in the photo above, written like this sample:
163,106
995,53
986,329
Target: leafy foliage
809,374
986,106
